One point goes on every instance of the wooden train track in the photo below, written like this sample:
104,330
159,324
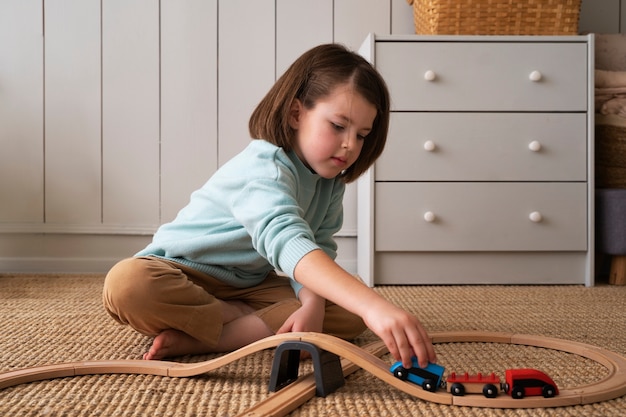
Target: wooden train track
366,358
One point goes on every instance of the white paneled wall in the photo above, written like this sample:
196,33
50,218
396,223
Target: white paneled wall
113,111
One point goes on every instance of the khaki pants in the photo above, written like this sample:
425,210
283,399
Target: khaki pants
152,294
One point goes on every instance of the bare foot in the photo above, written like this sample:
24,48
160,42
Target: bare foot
174,343
240,328
235,334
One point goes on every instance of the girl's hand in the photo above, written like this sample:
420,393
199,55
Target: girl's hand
303,320
402,333
309,317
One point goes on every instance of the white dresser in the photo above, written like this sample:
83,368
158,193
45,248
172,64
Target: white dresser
487,175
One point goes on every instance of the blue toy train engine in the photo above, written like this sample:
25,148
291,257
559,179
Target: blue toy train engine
429,378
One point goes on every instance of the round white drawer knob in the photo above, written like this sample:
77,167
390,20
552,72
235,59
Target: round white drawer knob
535,76
534,146
535,216
429,146
429,216
430,75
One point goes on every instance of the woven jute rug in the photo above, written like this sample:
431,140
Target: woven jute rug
59,318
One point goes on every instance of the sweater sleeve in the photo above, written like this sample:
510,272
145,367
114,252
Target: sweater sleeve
333,220
269,211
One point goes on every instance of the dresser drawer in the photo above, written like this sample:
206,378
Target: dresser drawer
439,268
480,216
484,76
485,147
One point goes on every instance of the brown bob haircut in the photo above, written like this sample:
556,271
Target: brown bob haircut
312,77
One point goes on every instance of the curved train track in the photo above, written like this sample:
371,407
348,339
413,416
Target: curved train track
610,387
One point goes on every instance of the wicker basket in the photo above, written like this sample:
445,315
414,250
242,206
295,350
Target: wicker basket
496,17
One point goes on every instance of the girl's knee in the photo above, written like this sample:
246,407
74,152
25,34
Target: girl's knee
120,277
124,284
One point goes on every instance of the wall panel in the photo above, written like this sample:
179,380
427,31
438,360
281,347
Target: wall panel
130,112
72,112
21,112
188,99
296,35
401,17
355,19
246,68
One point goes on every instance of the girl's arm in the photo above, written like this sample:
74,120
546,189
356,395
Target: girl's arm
401,331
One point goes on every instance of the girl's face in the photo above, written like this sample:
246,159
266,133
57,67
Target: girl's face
329,137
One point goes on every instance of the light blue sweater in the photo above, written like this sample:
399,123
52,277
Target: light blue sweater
262,210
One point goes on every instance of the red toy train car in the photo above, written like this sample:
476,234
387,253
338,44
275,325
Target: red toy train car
473,384
522,382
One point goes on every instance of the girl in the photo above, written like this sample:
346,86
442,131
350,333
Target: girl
207,282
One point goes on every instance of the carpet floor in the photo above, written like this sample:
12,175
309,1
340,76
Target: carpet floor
59,318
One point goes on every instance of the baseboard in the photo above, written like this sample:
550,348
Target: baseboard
65,253
87,265
78,253
56,265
